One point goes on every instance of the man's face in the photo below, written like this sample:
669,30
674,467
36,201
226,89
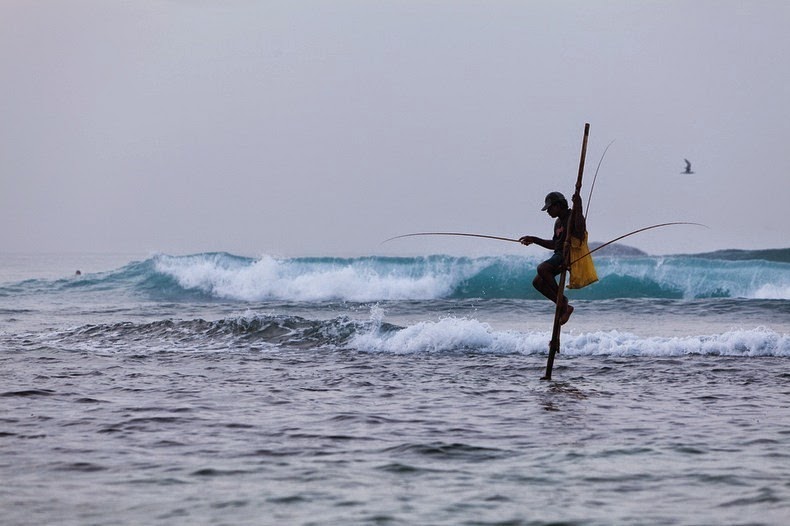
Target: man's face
553,210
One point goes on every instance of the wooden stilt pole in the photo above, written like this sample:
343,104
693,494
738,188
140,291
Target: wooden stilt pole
554,345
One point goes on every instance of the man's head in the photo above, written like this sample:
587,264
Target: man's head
555,198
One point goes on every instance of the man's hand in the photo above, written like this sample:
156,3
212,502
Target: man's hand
526,240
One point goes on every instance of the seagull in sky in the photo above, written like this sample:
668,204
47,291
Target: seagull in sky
688,167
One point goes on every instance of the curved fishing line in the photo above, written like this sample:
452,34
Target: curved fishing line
595,178
452,234
596,249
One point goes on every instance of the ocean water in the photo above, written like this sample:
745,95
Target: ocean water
219,389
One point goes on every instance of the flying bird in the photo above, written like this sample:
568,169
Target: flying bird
688,167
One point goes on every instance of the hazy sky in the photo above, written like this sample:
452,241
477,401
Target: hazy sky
322,128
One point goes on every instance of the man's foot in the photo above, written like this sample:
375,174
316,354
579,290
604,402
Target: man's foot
566,314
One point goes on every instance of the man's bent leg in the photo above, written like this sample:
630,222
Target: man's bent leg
545,284
544,281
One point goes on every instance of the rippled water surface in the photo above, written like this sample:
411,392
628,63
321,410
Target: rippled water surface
316,437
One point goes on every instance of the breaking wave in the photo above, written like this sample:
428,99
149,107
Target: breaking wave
225,277
447,335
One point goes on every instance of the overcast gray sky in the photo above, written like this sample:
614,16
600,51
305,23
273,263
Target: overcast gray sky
322,128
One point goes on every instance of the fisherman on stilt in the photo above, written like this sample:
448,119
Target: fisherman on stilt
557,207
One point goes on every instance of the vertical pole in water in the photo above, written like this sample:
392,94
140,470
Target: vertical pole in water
554,345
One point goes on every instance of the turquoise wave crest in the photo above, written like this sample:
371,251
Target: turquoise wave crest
228,277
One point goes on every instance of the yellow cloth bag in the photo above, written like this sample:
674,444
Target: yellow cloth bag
582,271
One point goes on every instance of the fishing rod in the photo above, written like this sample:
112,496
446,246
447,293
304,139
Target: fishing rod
453,234
500,238
596,249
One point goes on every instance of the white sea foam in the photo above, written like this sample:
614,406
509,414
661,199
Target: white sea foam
743,342
772,292
450,334
271,278
458,334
